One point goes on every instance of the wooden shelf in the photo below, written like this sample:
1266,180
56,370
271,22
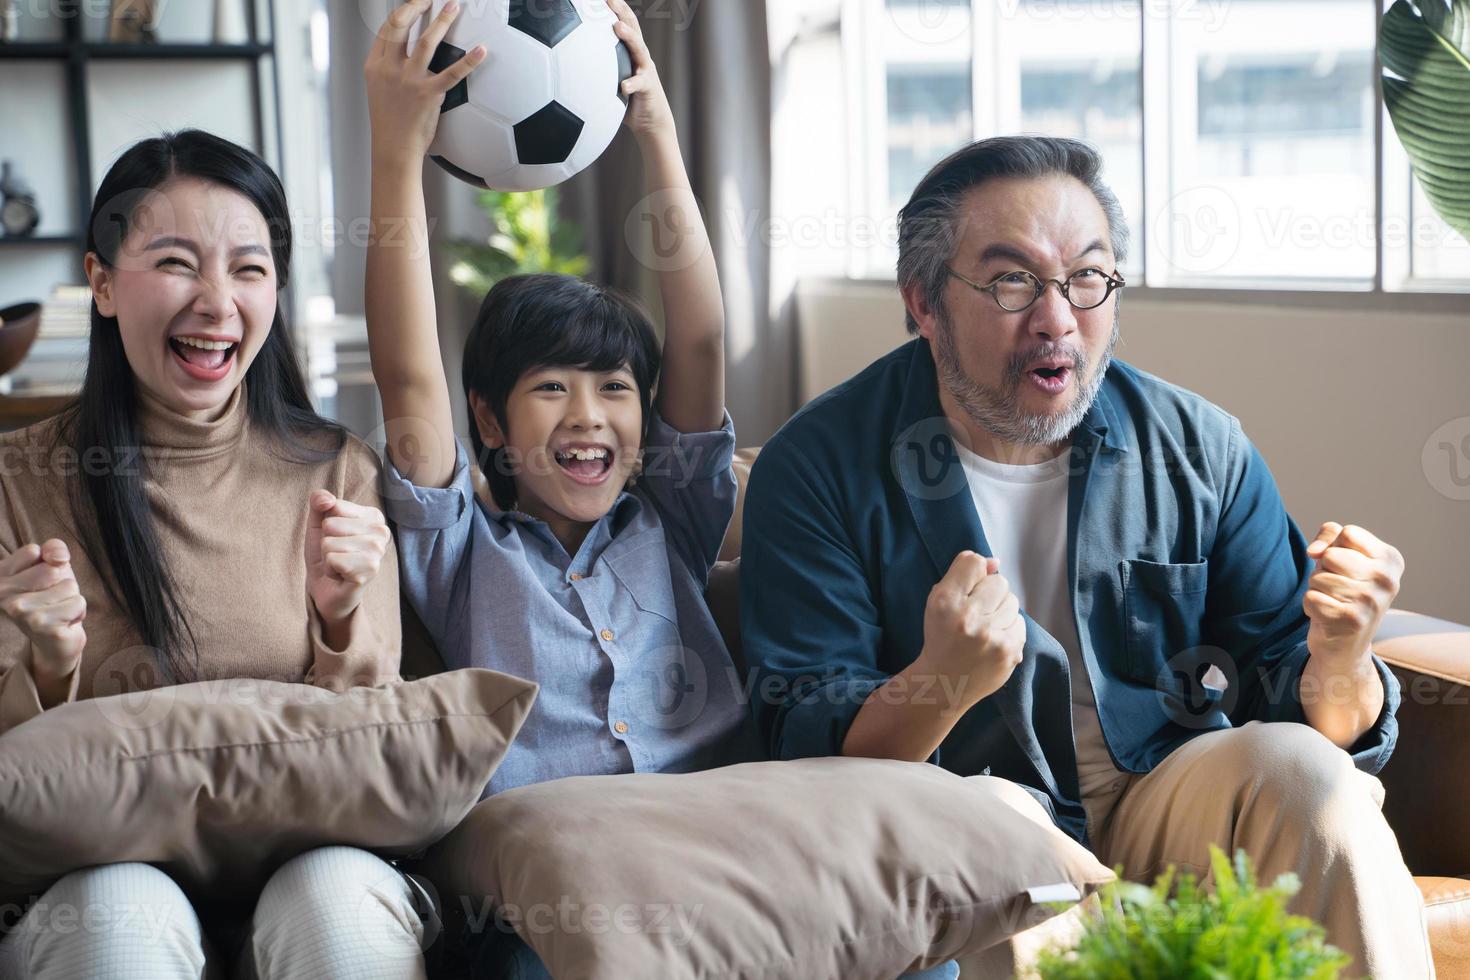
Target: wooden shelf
102,51
19,411
39,240
34,49
77,55
158,52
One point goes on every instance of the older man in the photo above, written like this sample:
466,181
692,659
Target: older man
999,550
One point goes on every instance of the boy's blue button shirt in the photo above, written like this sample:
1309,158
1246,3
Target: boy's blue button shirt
1180,555
634,674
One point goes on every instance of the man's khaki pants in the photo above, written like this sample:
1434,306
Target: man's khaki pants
1293,802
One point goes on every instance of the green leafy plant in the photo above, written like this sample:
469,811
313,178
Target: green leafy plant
527,236
1177,930
1424,46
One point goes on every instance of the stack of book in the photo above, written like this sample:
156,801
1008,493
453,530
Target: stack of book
57,360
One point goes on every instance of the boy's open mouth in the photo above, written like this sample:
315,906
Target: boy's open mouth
207,360
586,463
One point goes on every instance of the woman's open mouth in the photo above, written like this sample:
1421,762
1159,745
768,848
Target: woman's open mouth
204,360
587,464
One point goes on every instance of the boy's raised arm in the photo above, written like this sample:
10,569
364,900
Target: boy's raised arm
691,394
404,99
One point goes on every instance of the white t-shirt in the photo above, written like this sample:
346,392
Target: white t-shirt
1024,512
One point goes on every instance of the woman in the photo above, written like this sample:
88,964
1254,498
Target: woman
189,518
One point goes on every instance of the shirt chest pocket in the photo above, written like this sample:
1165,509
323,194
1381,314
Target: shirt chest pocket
643,575
1163,608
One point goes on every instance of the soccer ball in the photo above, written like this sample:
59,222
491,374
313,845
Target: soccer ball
545,103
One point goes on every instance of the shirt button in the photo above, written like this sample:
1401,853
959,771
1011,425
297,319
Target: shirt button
607,635
621,728
575,577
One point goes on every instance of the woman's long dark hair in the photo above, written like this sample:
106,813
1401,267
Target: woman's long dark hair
109,504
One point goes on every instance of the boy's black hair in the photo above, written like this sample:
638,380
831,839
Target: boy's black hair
547,320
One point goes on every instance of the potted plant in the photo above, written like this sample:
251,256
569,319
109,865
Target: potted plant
1178,930
528,236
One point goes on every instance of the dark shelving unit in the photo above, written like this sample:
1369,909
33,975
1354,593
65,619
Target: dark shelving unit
77,53
41,240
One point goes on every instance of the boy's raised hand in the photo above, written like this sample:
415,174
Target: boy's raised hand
648,106
404,96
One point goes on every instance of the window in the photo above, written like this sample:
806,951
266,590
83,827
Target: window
1242,137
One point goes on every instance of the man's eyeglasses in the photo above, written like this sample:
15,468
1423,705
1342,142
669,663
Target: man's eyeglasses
1015,291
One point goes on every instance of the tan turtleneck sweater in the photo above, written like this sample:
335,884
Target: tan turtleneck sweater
231,515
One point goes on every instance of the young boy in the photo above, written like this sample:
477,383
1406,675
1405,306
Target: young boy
580,577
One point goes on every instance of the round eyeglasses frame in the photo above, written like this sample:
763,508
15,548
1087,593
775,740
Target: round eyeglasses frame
1115,282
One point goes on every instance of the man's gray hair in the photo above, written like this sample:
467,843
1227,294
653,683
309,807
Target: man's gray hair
929,225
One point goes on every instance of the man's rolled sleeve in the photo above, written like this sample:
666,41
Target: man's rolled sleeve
1259,571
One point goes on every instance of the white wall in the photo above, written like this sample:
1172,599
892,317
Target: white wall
1352,408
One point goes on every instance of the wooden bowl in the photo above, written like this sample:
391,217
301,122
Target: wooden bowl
18,328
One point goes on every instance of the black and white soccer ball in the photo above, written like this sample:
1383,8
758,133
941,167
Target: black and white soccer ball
545,103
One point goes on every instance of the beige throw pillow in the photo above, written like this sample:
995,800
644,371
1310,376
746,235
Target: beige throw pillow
852,868
220,782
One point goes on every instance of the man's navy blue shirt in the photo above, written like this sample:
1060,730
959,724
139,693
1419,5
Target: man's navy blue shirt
1180,555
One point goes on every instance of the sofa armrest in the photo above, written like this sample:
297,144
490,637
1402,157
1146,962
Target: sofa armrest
1427,781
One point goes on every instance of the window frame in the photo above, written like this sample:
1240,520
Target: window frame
1391,286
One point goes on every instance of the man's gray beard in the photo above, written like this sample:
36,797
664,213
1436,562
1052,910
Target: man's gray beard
998,410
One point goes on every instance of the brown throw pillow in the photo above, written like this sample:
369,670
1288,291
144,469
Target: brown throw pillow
852,868
220,782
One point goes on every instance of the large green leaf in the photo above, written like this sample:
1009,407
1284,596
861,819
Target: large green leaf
1425,50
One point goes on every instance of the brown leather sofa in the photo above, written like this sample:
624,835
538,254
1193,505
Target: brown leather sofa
1427,781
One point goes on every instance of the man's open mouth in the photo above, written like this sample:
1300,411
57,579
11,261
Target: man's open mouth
1051,377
